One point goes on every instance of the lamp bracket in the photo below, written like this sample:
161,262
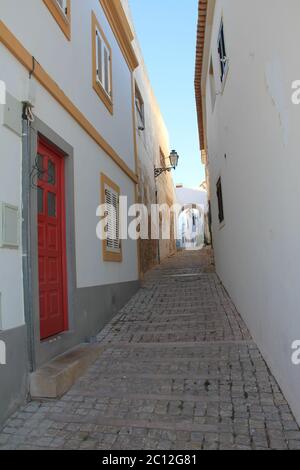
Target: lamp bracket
160,171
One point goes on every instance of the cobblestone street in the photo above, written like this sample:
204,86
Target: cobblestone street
179,370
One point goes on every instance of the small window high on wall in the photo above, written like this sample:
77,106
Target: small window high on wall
103,58
61,12
140,109
63,5
220,201
102,65
222,53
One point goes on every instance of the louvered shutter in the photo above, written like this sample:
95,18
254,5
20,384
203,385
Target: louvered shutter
113,220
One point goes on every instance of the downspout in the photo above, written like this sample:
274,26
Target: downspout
26,239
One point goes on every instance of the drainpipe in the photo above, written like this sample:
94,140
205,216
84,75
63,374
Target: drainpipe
26,240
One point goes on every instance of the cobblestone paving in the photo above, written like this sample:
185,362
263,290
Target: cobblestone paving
179,371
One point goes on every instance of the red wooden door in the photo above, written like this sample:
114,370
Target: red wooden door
51,241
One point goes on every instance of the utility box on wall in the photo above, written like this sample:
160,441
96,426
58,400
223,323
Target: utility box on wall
12,114
9,226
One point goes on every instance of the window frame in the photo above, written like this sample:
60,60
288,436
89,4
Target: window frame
98,86
140,110
222,54
220,199
63,20
109,254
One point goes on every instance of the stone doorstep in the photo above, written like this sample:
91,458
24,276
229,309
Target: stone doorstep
54,379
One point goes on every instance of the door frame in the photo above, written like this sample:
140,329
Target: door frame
41,352
60,154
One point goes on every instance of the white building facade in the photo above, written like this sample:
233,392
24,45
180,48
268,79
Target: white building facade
153,150
67,144
249,132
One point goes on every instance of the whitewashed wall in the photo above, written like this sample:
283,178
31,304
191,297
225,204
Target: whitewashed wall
255,124
11,290
69,63
192,196
71,68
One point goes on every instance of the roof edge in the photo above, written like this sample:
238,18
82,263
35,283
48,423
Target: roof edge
201,31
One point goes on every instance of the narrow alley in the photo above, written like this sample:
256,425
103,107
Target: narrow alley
179,370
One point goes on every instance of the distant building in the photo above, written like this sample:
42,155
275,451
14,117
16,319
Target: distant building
192,220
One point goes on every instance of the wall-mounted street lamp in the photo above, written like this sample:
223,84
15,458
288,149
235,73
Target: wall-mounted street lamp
173,158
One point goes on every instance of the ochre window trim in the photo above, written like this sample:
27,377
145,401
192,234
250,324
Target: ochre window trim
107,101
64,22
108,255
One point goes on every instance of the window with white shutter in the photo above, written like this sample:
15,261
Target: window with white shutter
102,65
112,228
103,58
222,53
220,200
61,12
112,250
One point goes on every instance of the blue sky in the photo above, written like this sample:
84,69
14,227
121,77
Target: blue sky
167,33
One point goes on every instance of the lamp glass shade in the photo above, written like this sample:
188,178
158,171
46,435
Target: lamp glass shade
174,157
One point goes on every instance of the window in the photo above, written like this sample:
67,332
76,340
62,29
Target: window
140,109
212,82
222,53
102,65
220,200
63,5
61,12
112,249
